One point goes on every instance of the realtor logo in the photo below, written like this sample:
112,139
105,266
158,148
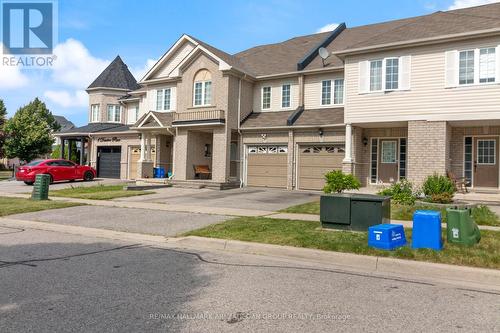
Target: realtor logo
28,27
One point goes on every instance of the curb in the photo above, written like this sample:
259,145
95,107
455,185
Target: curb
481,278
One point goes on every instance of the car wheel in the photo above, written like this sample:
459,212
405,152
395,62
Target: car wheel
88,176
28,183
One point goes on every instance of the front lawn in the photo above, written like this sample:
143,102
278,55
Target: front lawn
9,206
306,234
5,174
482,215
99,192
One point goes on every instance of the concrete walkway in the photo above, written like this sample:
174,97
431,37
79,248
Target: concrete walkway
237,212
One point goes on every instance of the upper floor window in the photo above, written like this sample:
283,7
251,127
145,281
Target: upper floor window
285,96
114,113
466,67
487,65
94,113
376,75
392,74
163,99
202,95
266,97
338,92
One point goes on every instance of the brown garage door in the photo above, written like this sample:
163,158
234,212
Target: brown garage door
135,155
267,166
315,161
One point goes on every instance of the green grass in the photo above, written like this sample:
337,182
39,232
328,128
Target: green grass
306,234
5,174
9,206
482,215
99,192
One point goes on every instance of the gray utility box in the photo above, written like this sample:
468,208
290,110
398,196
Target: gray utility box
354,211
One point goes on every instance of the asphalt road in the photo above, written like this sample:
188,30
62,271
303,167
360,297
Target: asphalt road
54,282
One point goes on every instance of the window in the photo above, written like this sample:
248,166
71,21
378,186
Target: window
486,152
94,113
133,114
402,158
114,113
487,65
202,90
266,97
338,93
326,92
389,151
392,74
136,113
285,96
163,97
374,161
466,67
468,159
376,75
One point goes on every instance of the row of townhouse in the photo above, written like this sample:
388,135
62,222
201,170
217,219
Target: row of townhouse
393,100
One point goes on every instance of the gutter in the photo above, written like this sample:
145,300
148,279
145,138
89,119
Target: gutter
419,42
309,71
293,127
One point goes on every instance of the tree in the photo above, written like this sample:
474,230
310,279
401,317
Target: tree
29,132
3,119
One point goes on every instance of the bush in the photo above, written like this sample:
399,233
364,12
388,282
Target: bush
401,192
337,182
438,189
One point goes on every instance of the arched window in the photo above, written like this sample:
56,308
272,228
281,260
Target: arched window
202,91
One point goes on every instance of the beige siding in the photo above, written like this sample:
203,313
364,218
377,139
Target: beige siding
427,99
175,59
312,89
276,94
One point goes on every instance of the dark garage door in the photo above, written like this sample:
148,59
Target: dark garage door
108,162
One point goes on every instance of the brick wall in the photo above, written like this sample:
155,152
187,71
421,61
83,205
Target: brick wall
428,150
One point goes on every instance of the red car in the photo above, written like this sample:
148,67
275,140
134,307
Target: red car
57,169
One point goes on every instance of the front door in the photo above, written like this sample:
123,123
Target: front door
388,161
486,162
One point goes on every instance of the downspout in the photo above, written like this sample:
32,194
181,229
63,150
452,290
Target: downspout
239,133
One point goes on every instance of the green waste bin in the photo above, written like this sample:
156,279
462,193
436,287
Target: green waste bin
461,228
354,211
41,188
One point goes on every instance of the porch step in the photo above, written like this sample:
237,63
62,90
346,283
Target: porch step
205,184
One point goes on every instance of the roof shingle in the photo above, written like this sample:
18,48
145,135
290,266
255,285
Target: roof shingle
116,75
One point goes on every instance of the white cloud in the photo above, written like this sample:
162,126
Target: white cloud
328,27
67,99
457,4
75,66
139,72
11,77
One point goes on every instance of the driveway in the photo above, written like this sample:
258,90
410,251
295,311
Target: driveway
12,186
243,198
145,221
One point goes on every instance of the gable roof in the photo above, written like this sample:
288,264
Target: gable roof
65,124
117,76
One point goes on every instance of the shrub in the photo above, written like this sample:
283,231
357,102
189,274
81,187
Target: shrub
438,189
401,192
337,182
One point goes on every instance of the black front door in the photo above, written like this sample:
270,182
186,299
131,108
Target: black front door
108,162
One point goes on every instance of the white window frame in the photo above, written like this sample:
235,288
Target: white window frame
333,84
95,107
116,110
495,57
393,143
262,97
494,151
477,66
160,99
203,92
289,85
384,75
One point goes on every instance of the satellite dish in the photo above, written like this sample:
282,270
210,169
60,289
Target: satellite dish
323,53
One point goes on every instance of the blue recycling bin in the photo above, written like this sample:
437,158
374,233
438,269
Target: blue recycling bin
158,172
386,236
426,232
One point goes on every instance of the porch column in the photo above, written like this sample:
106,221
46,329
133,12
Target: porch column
148,148
348,144
61,151
82,150
143,147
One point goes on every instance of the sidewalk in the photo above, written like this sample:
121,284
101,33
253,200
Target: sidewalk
408,270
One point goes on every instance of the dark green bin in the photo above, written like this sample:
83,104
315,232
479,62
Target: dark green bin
461,228
41,188
354,211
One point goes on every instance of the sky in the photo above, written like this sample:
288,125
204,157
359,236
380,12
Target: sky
91,33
